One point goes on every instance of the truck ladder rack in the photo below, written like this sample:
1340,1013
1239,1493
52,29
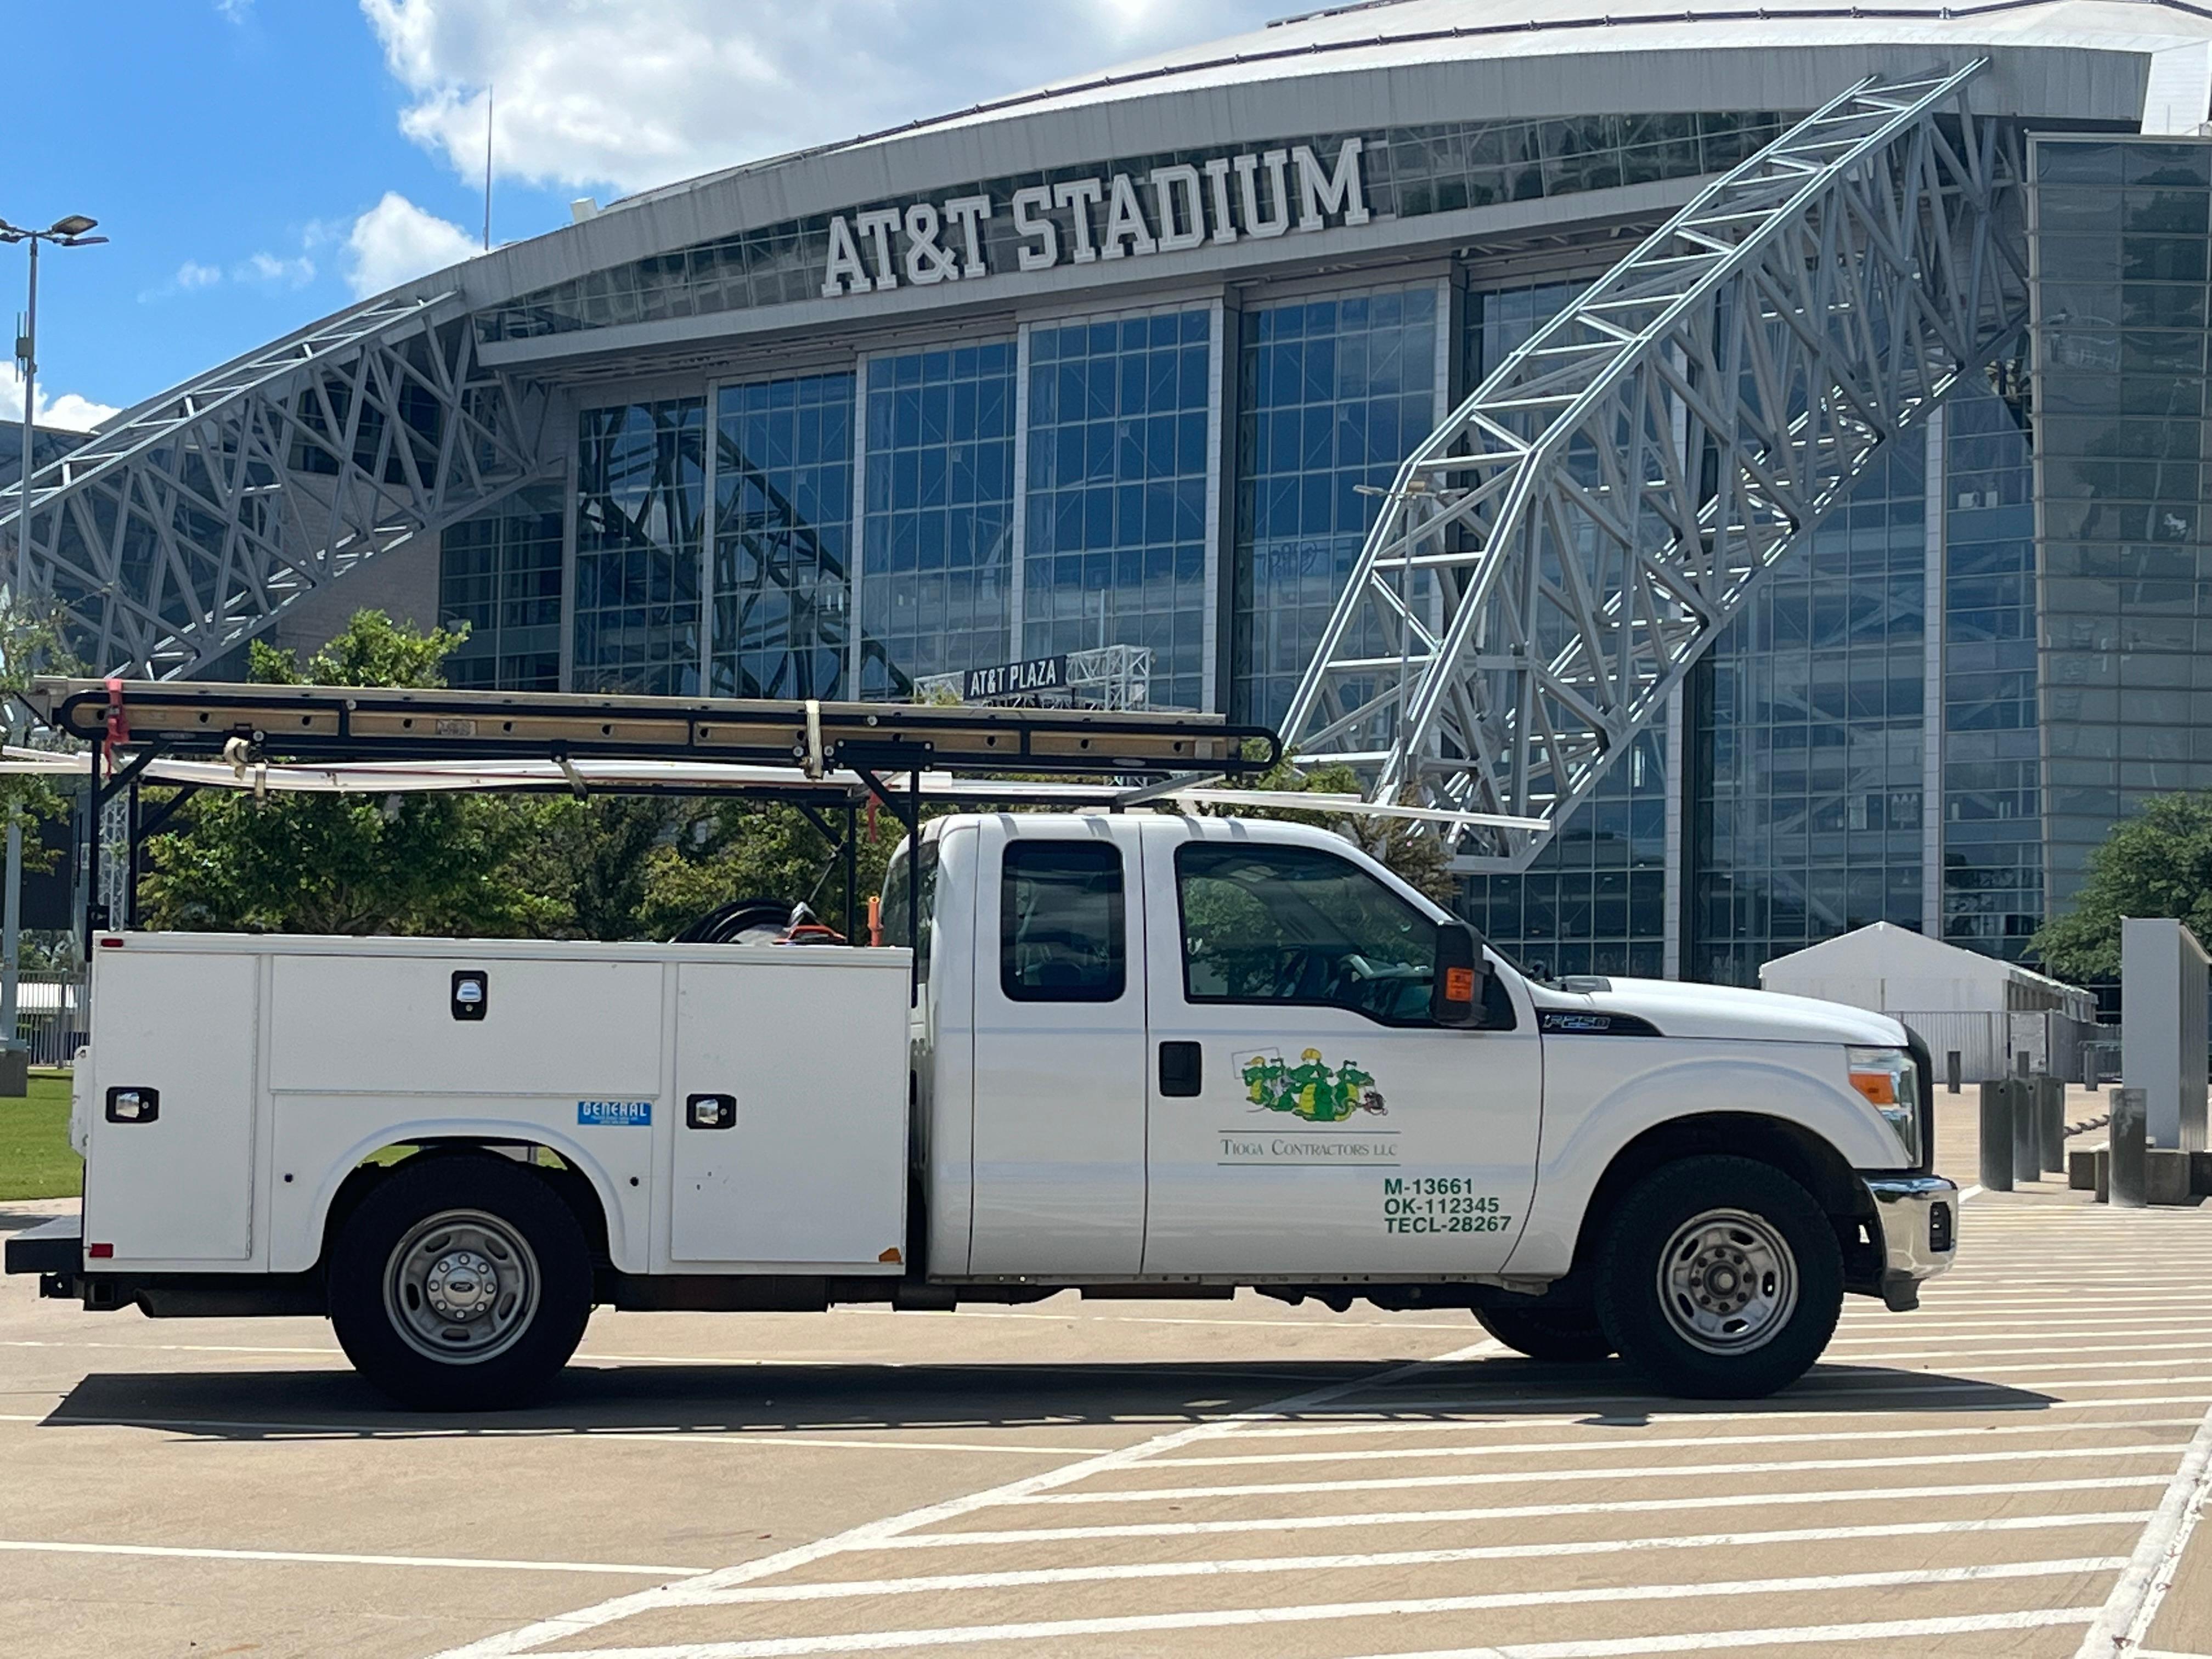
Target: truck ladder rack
348,723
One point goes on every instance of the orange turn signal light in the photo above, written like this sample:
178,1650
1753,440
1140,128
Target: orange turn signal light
1459,985
1879,1087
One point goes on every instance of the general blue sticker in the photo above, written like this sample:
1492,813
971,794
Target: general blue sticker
614,1113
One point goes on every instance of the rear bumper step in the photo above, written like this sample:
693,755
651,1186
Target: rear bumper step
51,1247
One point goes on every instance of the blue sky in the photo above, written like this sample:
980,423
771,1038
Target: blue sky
259,162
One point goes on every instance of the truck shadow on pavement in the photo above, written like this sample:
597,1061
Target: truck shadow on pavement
769,1400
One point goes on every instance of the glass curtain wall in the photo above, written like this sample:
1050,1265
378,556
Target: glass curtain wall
641,501
1115,538
499,575
1992,795
936,587
1332,393
2122,444
1807,814
1594,900
783,521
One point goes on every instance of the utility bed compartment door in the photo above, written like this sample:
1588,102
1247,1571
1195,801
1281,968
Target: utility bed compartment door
812,1048
174,1183
378,1024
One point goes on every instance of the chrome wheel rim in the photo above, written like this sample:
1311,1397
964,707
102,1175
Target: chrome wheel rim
461,1287
1728,1281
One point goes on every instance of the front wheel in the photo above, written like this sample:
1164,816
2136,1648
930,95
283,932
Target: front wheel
1570,1335
460,1284
1720,1279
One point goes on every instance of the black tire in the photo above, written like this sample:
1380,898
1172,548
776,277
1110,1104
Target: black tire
1753,1279
461,1283
1571,1335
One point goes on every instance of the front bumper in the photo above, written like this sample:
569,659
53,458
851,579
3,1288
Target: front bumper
1916,1228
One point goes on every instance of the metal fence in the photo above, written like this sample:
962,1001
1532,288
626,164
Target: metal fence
1989,1044
50,1017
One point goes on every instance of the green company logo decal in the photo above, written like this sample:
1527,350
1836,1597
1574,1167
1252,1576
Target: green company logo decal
1312,1089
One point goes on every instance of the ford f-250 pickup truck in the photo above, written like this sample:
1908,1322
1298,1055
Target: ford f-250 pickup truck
1145,1054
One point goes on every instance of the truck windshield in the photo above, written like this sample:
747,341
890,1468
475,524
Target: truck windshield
894,909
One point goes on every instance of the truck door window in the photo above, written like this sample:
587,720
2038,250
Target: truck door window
1061,922
894,908
1296,925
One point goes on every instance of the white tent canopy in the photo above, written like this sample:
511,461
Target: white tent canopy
1886,968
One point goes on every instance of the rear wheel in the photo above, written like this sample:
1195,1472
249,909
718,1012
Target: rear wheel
461,1283
1569,1335
1720,1279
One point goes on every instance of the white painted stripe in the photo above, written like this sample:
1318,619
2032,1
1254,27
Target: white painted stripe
1634,1441
316,1558
2126,1616
1645,1472
570,1626
1887,1630
876,1641
1923,1495
843,1589
1974,1191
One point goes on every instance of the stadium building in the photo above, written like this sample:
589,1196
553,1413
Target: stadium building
1133,361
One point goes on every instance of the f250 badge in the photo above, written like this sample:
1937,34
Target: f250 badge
1312,1089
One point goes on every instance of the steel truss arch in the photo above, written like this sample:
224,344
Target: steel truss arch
1551,560
190,523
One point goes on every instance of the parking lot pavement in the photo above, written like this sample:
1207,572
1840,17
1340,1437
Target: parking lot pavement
1996,1474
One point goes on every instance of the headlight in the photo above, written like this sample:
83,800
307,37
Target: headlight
1890,1083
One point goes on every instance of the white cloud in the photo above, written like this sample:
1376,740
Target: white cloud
233,11
269,267
193,273
598,92
69,411
396,241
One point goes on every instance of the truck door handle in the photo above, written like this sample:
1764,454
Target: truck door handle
1182,1069
710,1112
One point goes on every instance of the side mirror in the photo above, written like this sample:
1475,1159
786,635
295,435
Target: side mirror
1455,996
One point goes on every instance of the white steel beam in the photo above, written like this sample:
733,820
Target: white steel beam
1553,557
188,525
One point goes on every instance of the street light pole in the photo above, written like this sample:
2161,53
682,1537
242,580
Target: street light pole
68,232
27,355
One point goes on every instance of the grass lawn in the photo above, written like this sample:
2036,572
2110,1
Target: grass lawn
35,1159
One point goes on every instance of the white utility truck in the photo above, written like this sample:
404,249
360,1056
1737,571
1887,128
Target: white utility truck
1136,1053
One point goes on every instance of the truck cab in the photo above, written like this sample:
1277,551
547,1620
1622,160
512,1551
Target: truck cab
1205,1051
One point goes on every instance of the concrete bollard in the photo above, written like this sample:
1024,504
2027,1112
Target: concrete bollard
2026,1135
1951,1066
2089,1068
2130,1122
2081,1169
2051,1123
1996,1135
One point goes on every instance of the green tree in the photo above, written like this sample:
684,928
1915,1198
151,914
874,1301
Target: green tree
1410,851
2158,863
445,864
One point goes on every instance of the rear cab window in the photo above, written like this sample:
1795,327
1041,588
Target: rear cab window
1062,923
